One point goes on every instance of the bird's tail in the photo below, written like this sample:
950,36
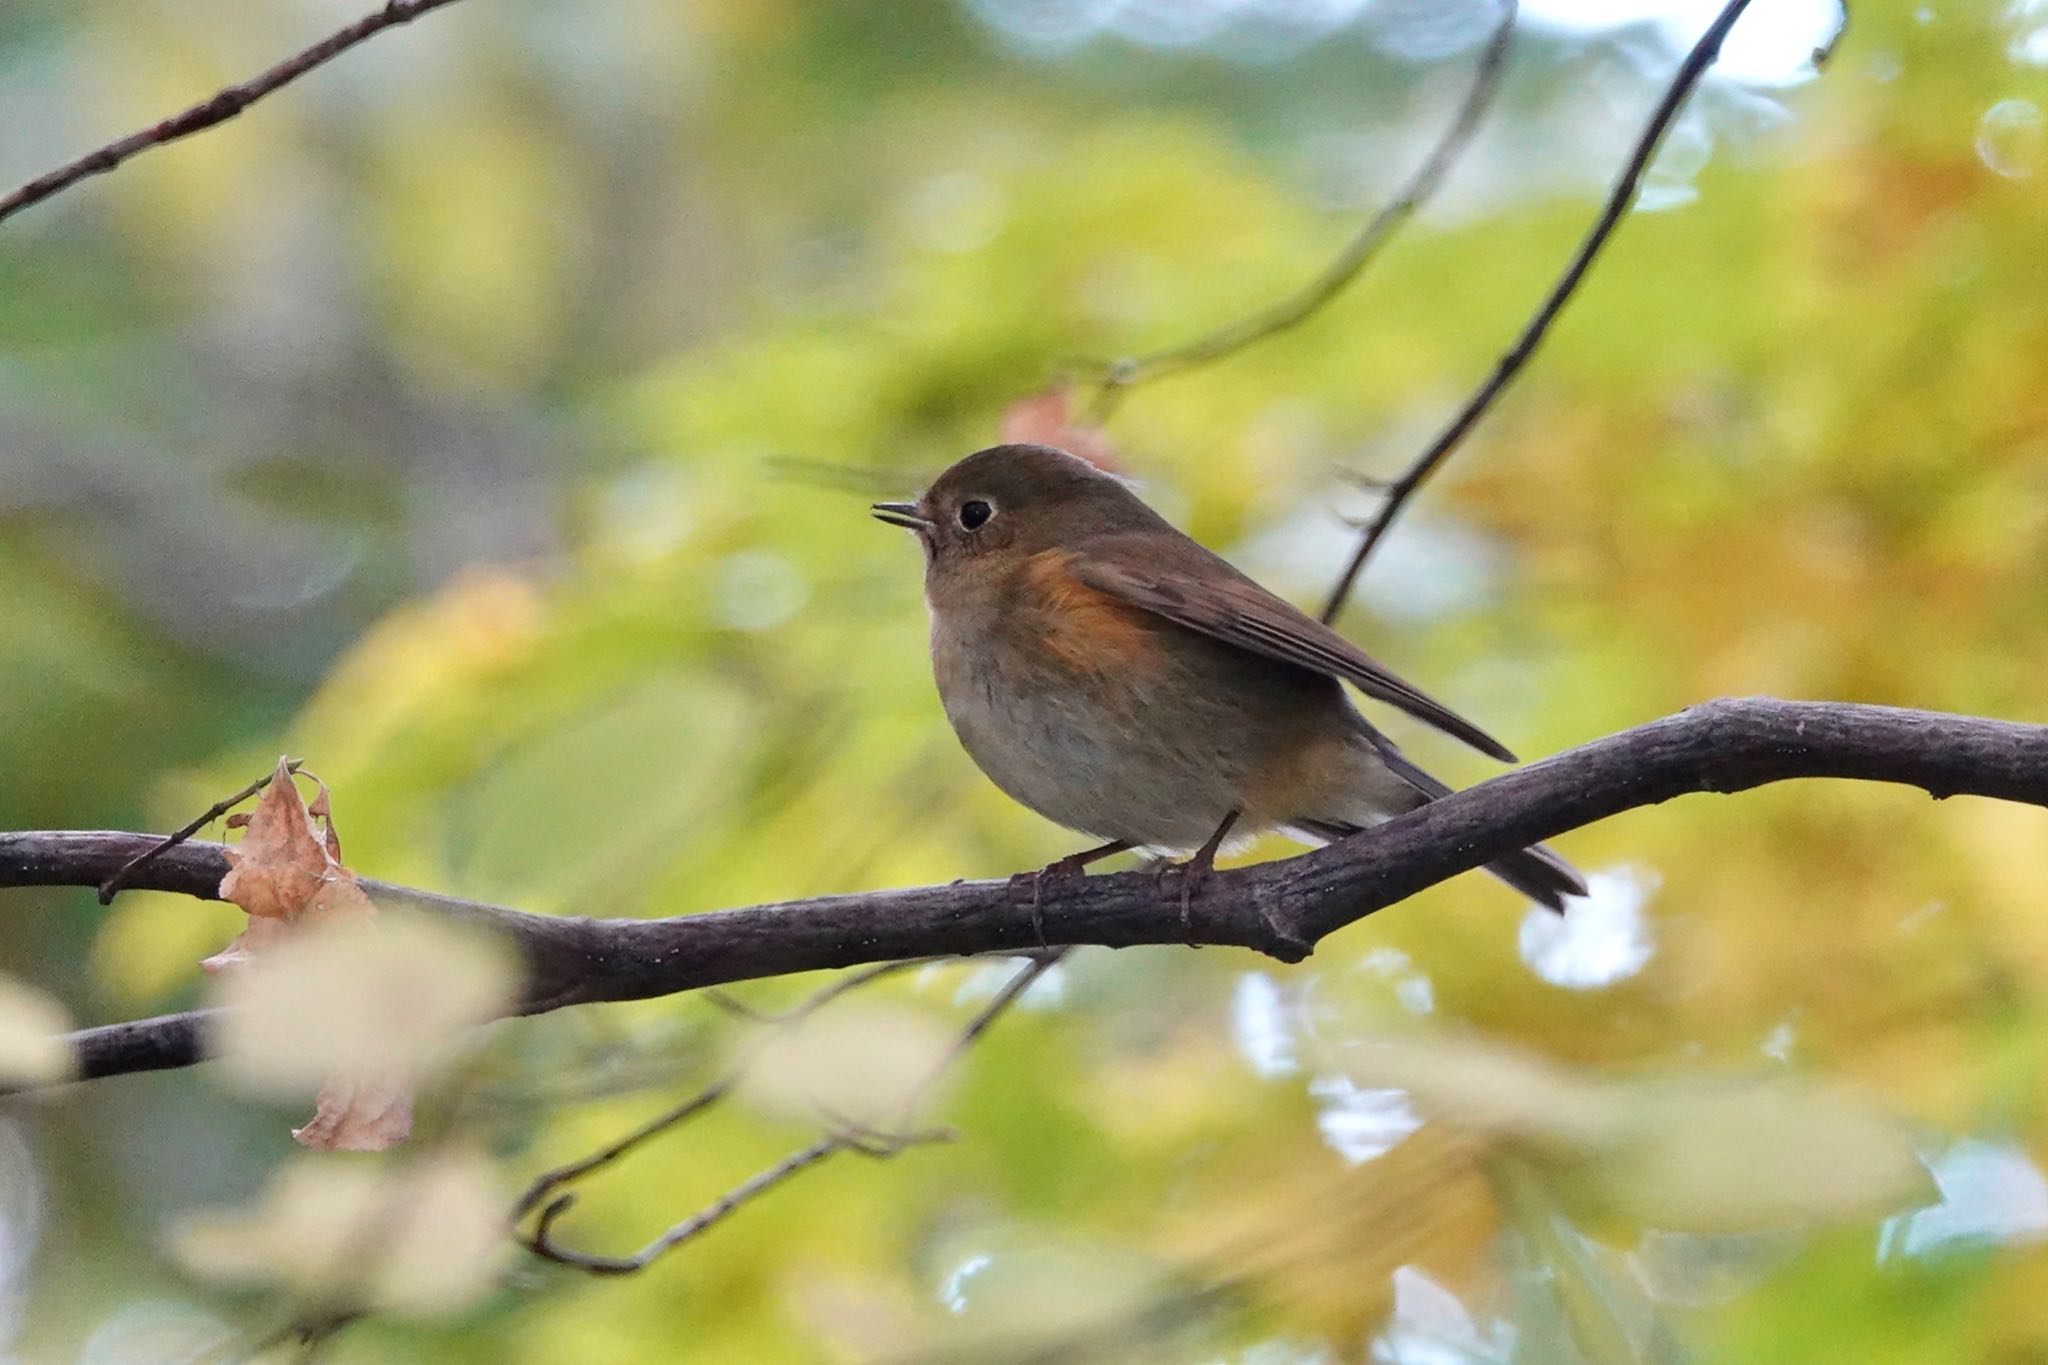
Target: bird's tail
1536,871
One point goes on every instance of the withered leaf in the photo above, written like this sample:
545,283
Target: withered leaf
359,1114
287,874
286,864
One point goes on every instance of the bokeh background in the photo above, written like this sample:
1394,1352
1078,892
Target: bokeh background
451,421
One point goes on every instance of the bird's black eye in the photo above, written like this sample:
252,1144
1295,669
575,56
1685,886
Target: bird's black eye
973,513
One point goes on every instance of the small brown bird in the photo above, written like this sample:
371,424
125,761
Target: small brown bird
1117,678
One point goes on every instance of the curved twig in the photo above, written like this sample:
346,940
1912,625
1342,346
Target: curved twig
844,1137
549,1181
542,1243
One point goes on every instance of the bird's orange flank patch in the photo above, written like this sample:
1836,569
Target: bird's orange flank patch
1084,627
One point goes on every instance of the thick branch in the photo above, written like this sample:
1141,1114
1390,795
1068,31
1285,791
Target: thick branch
1280,908
217,108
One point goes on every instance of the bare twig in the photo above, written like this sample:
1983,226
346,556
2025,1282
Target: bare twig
542,1243
1619,199
112,885
216,109
810,1004
547,1182
845,1137
1349,263
1279,908
1013,990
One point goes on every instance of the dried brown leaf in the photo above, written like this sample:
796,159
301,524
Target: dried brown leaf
246,945
287,874
282,860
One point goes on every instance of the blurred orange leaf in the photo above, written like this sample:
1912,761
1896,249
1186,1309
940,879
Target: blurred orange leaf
1047,419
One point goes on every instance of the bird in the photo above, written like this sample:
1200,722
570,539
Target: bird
1110,673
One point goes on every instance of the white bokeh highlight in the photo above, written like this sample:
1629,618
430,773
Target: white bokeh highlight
1261,1027
1359,1123
1600,939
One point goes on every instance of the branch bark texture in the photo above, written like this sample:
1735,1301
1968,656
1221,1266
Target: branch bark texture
1279,908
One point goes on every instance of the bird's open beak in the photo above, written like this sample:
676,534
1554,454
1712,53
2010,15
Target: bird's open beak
904,514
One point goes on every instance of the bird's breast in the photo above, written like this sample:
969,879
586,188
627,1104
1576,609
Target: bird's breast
1092,712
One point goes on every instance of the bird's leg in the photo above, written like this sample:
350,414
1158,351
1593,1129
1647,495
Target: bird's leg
1059,870
1195,871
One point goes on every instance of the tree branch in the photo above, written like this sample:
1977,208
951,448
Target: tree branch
216,109
1619,200
1280,908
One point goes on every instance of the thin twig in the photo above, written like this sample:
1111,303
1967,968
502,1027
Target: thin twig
547,1182
845,1137
810,1004
541,1243
1012,991
1619,200
1349,263
216,109
112,885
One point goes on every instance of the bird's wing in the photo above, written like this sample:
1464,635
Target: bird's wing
1203,592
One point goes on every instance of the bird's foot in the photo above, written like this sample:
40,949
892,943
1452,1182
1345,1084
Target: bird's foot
1193,873
1058,870
1163,877
1070,868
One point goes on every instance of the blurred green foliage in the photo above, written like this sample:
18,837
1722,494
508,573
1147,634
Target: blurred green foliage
436,422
